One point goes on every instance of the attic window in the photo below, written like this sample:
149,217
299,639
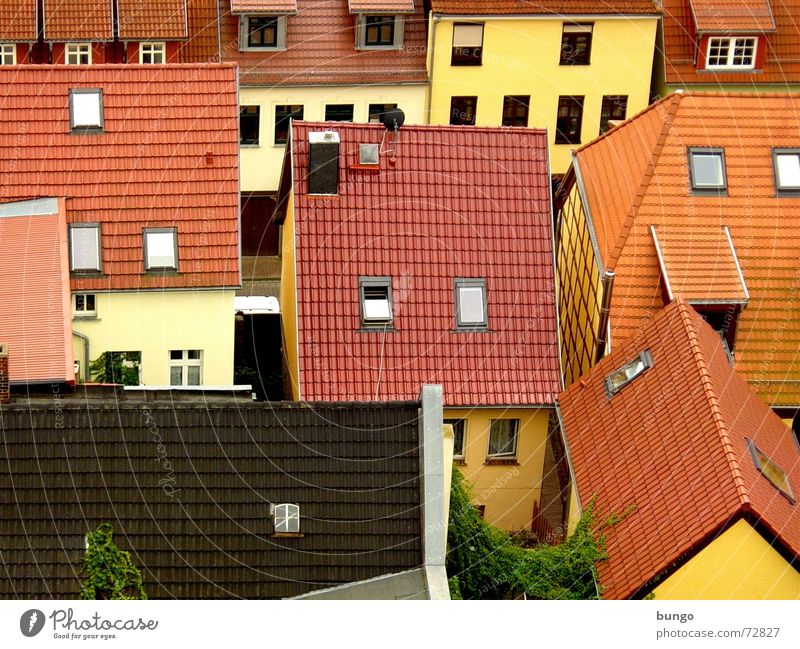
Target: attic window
160,249
262,33
383,32
368,154
619,378
707,170
727,52
471,303
153,52
8,54
376,301
86,109
787,170
771,471
467,44
286,519
78,54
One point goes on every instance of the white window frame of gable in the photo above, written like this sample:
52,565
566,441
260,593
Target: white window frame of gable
514,424
78,50
153,49
286,518
86,109
81,303
186,359
732,43
8,54
149,264
361,32
244,32
90,237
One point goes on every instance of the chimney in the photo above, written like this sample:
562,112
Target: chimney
5,388
323,162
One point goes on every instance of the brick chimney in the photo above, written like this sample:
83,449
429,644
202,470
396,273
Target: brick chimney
5,389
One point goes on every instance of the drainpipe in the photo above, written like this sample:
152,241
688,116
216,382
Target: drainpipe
432,22
607,284
85,340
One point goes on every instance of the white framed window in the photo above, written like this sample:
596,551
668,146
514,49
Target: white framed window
286,518
262,32
376,301
471,303
86,109
459,437
620,377
153,53
84,305
732,52
84,247
185,366
771,471
78,54
160,249
503,435
707,169
379,32
8,54
787,170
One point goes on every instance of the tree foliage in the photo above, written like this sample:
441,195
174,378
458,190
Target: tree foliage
116,367
110,571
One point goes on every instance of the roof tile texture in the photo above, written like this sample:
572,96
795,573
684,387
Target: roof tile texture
733,15
152,19
203,44
18,20
262,6
458,202
381,6
673,443
561,7
77,20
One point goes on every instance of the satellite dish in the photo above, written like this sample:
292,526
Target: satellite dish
393,119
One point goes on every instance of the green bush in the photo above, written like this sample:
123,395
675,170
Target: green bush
110,571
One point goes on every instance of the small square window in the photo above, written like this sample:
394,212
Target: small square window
78,54
84,305
249,122
185,367
576,44
286,518
376,301
467,44
377,111
515,110
369,154
727,52
503,434
459,437
8,54
620,377
463,110
283,115
160,249
569,119
787,170
155,53
262,32
84,248
379,31
339,113
471,303
707,170
771,471
86,109
614,109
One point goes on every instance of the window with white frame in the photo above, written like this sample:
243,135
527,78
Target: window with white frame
787,170
707,170
78,54
731,52
84,305
84,248
161,249
379,32
153,53
376,301
86,109
459,437
8,54
471,303
503,434
262,33
622,376
286,518
185,366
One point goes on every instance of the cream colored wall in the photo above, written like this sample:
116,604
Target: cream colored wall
740,564
521,57
261,164
155,322
288,299
508,490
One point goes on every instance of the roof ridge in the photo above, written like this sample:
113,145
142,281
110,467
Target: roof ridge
429,127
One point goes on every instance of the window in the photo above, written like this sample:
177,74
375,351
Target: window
576,44
378,31
471,303
369,154
84,247
707,170
286,519
152,53
731,52
722,319
185,366
467,44
503,435
262,31
249,120
8,54
459,437
568,120
86,109
377,111
78,54
462,111
283,114
376,301
614,109
85,305
620,377
339,113
771,471
515,110
787,170
160,249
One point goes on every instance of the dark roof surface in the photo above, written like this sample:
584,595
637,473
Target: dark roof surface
188,490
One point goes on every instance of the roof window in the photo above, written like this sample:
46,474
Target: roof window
86,109
771,471
707,170
787,170
620,377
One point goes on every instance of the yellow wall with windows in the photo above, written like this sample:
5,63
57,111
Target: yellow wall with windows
740,564
288,300
507,490
521,57
261,164
155,322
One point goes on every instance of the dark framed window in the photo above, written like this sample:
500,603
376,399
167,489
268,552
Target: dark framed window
503,435
85,252
771,471
614,108
379,31
622,376
576,44
160,249
467,44
377,111
569,119
786,163
471,303
283,114
515,110
376,301
462,111
707,170
249,122
723,319
262,31
86,109
339,113
85,304
459,437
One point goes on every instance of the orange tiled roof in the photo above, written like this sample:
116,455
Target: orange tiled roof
202,46
168,157
637,175
320,49
263,6
78,20
522,7
673,443
782,55
152,19
732,15
381,6
18,20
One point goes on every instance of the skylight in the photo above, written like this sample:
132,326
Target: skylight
771,471
620,377
787,170
707,169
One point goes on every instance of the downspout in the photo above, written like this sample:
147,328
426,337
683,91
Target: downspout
432,54
85,340
607,283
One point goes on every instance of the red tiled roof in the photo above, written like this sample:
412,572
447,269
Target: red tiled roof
168,158
782,54
80,20
673,443
35,319
637,176
320,49
18,20
458,202
559,7
732,15
263,6
381,6
152,19
202,46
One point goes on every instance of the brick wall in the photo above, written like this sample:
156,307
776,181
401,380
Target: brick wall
5,393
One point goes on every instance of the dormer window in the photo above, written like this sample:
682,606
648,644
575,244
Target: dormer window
262,33
286,518
731,52
86,109
152,53
78,54
622,376
380,31
787,171
8,54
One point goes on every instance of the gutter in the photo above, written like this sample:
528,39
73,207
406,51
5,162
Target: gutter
86,355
